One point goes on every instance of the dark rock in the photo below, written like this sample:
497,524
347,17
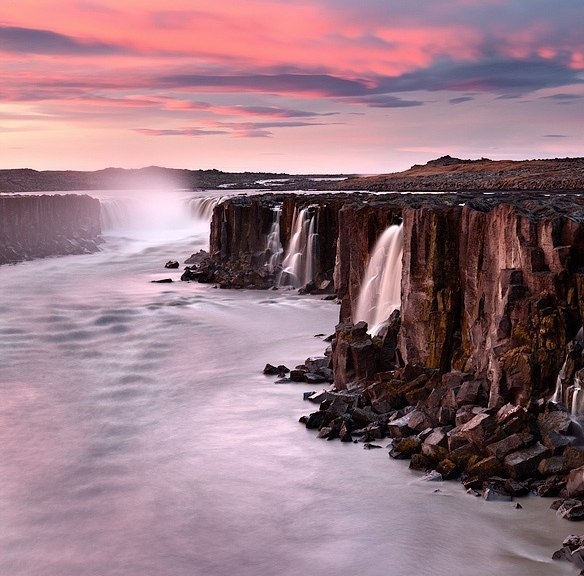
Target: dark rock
485,468
554,421
162,281
448,469
571,509
575,482
573,457
369,446
312,378
405,448
316,420
479,429
523,463
495,492
503,447
552,466
297,375
172,264
271,370
419,462
557,442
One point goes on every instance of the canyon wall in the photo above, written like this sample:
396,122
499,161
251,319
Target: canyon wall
492,285
38,226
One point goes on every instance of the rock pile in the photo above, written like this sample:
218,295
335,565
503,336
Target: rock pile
442,423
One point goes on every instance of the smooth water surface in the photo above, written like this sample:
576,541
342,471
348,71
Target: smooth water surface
138,436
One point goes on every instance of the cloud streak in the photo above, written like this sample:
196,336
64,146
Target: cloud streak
348,77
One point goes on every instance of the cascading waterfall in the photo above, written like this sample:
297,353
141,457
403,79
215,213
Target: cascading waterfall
274,248
299,262
381,287
570,380
202,208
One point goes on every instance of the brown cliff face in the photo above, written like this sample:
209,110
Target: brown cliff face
492,286
240,226
39,226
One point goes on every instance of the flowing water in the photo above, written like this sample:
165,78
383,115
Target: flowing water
381,287
299,265
138,435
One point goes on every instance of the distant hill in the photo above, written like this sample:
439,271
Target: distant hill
452,174
27,180
443,174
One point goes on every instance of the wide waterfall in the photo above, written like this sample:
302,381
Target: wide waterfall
274,248
381,287
161,214
299,263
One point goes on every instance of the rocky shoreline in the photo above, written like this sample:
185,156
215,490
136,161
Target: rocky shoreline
460,379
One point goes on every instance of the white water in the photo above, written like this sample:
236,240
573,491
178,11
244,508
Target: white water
299,261
139,437
274,247
380,291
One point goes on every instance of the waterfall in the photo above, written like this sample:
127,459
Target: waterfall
274,248
202,208
299,264
380,291
570,378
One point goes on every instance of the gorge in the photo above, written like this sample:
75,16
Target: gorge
151,436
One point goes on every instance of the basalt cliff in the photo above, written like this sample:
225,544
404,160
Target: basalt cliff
37,226
486,331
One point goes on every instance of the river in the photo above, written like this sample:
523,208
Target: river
138,435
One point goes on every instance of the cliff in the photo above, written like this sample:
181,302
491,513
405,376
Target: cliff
492,285
39,226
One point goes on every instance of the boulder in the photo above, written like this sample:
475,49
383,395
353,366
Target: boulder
485,468
557,421
503,447
272,370
551,466
172,264
405,448
573,457
575,482
479,429
523,463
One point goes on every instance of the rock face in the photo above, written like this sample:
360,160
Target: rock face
492,285
240,227
39,226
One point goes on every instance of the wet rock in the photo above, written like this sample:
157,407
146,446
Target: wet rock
162,281
405,448
479,429
399,428
495,491
557,442
571,509
419,462
271,370
432,476
448,469
485,468
573,457
523,463
503,447
575,482
172,264
552,466
554,421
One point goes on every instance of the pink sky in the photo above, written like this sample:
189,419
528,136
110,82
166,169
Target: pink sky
288,85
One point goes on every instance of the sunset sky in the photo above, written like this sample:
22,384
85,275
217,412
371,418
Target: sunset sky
360,86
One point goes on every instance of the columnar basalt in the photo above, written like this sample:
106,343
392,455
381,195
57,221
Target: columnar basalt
37,226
